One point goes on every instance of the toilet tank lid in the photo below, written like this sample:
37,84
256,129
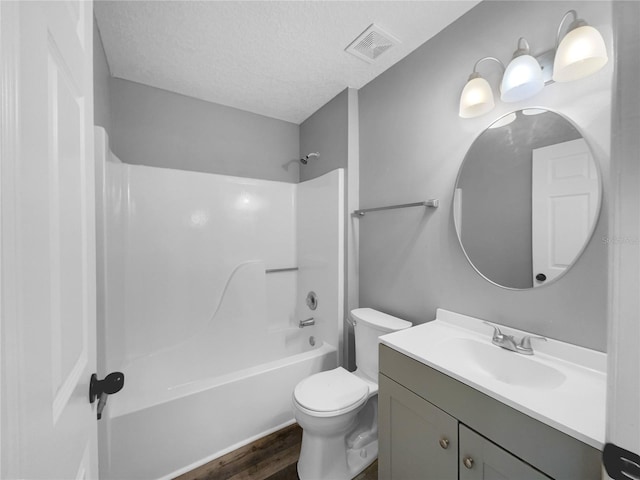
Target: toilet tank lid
379,320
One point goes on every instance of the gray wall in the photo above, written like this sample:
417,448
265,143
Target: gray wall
101,78
412,143
155,127
326,131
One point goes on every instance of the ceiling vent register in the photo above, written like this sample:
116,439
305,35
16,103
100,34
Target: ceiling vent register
371,43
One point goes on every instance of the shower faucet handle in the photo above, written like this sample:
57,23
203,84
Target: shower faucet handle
306,323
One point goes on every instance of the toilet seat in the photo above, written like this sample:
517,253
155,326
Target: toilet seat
330,393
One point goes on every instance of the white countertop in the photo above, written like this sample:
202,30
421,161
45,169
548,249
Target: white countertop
570,399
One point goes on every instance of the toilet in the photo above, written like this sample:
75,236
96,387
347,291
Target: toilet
338,409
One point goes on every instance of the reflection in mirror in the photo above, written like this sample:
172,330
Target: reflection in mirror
526,199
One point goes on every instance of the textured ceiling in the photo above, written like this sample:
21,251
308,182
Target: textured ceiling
282,59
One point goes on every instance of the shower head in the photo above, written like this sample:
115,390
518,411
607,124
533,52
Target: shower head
305,160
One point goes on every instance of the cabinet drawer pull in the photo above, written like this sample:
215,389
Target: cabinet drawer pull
468,462
444,443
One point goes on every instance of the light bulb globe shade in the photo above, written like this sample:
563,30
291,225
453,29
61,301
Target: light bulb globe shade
522,79
476,98
581,53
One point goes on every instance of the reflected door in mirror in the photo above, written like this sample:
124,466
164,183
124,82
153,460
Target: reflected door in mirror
564,202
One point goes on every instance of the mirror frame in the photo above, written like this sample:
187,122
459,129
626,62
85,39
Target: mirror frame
591,230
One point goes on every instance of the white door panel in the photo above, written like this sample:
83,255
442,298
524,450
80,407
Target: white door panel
565,198
48,223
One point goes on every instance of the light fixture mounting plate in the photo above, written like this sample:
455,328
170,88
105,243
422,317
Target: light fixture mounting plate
546,63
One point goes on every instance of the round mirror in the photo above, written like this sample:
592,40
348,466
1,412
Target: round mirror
527,199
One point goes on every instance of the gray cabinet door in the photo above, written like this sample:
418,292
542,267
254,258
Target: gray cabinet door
417,441
482,460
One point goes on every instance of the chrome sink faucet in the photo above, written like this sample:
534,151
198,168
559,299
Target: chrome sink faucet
509,342
524,346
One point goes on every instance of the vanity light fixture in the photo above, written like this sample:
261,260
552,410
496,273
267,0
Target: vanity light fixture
580,53
523,77
477,98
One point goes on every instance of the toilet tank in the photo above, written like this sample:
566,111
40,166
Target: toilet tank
369,324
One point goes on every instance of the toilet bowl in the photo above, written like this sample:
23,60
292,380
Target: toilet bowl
338,409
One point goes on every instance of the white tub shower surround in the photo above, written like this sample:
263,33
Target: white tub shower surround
207,339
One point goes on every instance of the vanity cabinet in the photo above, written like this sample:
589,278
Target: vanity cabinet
481,459
418,437
430,424
419,441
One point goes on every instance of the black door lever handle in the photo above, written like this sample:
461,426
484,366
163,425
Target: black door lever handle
100,389
111,384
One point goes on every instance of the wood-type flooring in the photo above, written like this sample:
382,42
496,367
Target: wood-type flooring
273,457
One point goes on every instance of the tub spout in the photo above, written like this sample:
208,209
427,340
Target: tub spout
307,323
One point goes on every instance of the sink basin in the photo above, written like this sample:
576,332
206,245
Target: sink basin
466,354
561,385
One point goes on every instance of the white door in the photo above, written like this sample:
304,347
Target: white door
564,205
48,428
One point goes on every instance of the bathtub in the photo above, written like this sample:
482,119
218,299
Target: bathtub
220,387
190,425
217,389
